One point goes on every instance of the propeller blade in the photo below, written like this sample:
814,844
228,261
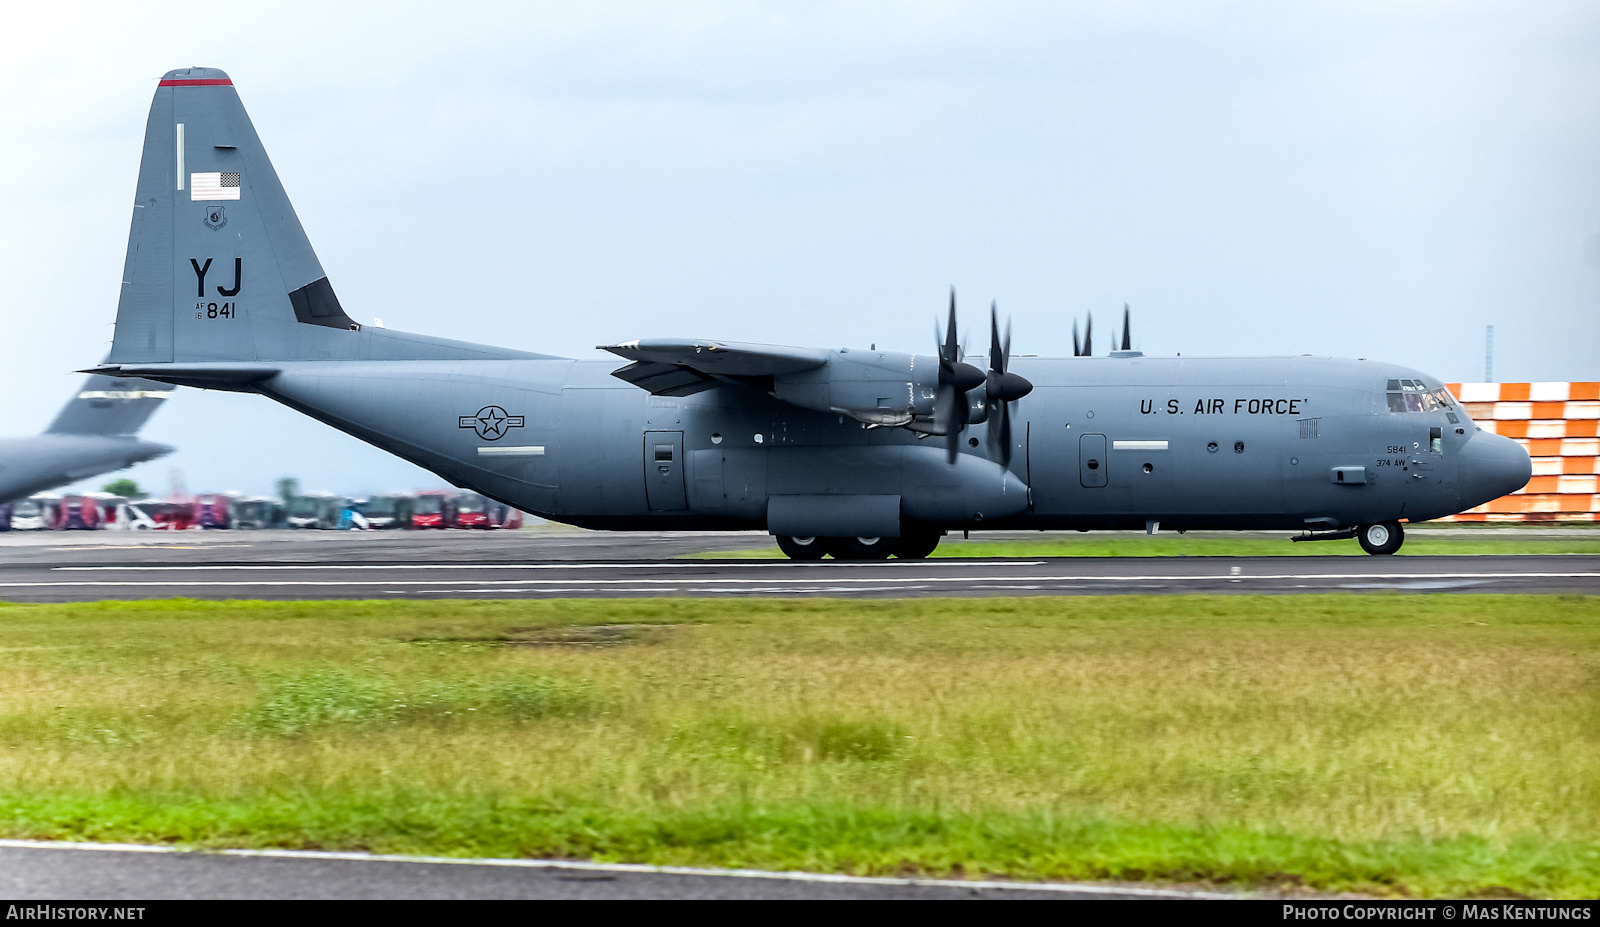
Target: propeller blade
1005,435
997,357
1127,343
948,354
1088,336
1077,346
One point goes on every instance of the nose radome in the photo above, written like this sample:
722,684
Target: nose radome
1492,466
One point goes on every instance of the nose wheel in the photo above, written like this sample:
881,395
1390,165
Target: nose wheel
1382,538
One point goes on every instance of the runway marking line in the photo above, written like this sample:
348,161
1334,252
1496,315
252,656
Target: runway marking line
668,565
788,581
1065,888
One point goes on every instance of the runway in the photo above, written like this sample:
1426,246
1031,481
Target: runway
39,871
414,565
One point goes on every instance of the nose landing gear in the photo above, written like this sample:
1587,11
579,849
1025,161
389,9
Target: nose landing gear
1382,538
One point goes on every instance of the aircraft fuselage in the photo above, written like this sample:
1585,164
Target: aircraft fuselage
1113,443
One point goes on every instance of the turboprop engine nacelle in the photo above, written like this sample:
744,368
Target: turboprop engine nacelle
876,387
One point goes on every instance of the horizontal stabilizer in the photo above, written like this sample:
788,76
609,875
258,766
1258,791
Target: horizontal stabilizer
110,405
238,377
677,367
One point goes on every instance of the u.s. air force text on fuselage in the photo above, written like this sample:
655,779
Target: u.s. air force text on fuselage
1254,406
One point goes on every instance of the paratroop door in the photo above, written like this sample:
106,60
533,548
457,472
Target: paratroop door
663,471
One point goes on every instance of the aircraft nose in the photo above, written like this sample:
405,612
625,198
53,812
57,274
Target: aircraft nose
1492,466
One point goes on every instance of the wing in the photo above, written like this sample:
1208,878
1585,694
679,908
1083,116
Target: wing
683,367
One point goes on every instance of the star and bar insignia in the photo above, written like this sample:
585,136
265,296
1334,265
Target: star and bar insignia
490,423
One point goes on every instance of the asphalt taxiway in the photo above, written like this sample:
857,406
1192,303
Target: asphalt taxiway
122,872
531,564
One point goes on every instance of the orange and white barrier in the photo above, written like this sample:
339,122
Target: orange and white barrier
1559,424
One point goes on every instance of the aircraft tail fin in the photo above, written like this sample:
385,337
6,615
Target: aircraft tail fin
218,266
109,406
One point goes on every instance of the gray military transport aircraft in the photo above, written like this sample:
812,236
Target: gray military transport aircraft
93,434
824,448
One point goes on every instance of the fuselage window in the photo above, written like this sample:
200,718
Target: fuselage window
1397,402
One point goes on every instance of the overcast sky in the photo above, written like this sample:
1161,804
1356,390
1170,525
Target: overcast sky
1365,179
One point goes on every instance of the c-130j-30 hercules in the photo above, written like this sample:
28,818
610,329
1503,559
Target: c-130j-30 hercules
858,453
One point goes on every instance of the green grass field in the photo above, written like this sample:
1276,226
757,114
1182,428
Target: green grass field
1169,544
1408,745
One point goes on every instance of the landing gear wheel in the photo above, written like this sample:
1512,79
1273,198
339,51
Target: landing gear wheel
803,548
1382,538
915,545
861,548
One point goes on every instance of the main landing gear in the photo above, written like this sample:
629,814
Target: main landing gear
1382,538
912,545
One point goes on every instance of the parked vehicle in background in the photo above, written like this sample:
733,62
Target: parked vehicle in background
35,513
110,506
505,516
260,512
472,511
167,516
388,510
475,511
434,509
316,510
130,517
78,512
213,510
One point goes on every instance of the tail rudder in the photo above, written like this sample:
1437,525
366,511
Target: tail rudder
218,265
219,269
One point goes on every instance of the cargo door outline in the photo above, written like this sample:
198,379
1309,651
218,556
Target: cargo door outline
1093,466
664,484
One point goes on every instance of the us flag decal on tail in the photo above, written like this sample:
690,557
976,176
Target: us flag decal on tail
214,186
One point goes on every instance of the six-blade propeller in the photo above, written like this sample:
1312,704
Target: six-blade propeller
959,403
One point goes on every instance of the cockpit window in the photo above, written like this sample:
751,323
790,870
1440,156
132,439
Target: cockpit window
1414,396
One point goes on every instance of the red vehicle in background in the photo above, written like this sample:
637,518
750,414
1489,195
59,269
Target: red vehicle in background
472,511
77,512
510,517
434,509
212,510
169,516
475,511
